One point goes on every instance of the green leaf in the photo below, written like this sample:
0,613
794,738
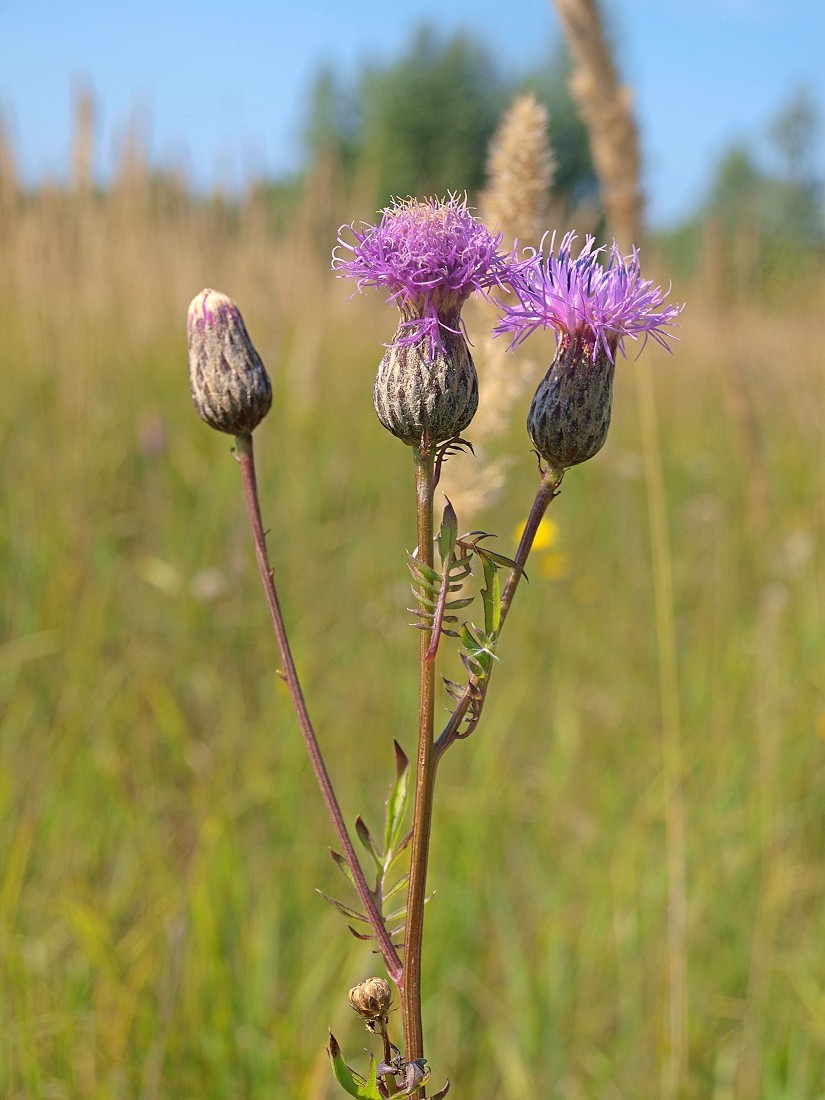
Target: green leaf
342,866
344,910
425,572
349,1082
457,605
397,801
447,534
397,887
365,837
490,594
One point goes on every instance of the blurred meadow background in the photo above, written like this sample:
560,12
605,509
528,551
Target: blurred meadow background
160,833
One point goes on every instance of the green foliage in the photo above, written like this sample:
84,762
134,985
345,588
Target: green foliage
422,124
765,228
365,1088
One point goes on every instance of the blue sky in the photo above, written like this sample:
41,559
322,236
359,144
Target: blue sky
223,86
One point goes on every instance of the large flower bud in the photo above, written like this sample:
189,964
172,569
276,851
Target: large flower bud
570,413
230,387
418,397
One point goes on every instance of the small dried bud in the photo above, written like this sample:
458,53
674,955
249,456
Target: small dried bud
570,413
426,393
371,999
230,387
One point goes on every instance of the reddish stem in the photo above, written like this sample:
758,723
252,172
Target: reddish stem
246,459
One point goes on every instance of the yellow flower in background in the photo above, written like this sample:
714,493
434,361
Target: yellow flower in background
551,562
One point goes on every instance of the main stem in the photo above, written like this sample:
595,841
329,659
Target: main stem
246,458
425,774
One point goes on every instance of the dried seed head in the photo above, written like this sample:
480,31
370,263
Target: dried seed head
230,387
371,999
422,397
570,413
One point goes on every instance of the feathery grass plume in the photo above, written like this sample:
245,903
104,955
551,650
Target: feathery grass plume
83,141
520,169
606,107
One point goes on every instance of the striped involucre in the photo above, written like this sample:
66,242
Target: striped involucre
421,399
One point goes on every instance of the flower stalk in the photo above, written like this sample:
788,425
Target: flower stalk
246,459
424,782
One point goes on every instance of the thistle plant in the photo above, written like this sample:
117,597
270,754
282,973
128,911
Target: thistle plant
430,256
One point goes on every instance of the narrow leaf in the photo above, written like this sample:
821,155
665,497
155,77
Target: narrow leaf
419,568
344,910
490,594
396,801
447,534
342,866
365,837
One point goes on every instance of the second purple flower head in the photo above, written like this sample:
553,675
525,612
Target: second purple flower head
595,302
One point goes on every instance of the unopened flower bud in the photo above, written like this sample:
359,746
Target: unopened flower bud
230,387
424,393
371,999
570,413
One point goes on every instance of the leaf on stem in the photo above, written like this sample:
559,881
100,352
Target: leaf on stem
396,802
344,910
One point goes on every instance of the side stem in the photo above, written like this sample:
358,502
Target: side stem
547,490
425,774
246,459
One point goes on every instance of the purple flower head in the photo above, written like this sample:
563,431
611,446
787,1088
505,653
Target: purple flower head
431,255
590,303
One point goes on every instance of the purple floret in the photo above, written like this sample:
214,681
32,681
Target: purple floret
431,255
583,299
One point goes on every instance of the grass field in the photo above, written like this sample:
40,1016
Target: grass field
160,833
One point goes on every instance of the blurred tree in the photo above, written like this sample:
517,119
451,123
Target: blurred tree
427,119
793,202
736,190
331,124
423,122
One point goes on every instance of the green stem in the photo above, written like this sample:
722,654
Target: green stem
246,459
410,988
